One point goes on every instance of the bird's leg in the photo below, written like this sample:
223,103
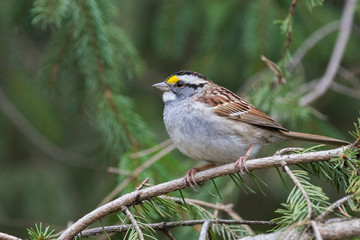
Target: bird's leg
190,175
242,160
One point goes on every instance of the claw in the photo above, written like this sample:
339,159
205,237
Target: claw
190,178
241,162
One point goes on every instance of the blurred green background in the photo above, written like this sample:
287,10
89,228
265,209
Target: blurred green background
76,95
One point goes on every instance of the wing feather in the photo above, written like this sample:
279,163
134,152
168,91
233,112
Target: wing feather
227,104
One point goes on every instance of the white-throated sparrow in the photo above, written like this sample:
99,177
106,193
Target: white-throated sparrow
208,122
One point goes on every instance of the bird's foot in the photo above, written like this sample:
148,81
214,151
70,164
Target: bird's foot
241,163
190,178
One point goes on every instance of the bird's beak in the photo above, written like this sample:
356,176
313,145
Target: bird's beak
162,86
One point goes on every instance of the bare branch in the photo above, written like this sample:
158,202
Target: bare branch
133,221
5,236
311,41
142,184
331,208
227,208
153,149
316,230
276,70
136,173
204,230
336,230
338,51
349,76
288,150
345,90
168,233
167,187
301,188
169,225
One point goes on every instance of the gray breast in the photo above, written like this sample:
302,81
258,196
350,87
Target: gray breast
203,136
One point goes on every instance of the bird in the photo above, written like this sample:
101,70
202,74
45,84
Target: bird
208,122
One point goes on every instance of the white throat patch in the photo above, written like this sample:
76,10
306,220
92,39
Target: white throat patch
168,96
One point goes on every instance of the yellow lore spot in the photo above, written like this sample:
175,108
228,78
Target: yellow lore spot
172,80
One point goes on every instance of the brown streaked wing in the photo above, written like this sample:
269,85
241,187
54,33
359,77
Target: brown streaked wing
228,104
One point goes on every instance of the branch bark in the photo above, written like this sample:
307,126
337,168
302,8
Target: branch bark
5,236
336,230
169,225
167,187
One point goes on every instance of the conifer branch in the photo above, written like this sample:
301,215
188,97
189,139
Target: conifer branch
301,188
161,226
227,208
332,230
330,209
133,221
167,187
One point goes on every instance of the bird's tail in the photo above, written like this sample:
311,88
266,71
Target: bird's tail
306,137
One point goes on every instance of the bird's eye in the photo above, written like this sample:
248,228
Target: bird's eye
180,84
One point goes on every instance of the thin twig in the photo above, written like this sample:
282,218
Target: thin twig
151,150
338,51
200,177
142,184
168,233
169,225
6,236
331,208
133,221
301,188
289,33
316,230
349,76
311,41
136,173
345,90
204,230
227,208
288,150
275,69
118,171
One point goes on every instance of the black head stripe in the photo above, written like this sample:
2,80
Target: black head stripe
194,86
185,72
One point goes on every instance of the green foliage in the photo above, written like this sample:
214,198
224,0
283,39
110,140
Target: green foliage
313,3
98,59
284,96
49,13
39,234
354,189
295,209
89,38
163,209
